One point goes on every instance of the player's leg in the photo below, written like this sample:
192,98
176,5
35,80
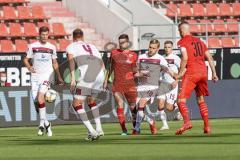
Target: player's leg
120,111
95,111
186,89
78,101
131,97
42,108
161,112
201,91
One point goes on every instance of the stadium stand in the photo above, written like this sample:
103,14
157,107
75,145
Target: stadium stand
208,17
21,19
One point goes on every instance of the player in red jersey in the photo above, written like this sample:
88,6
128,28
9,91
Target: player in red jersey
194,76
123,64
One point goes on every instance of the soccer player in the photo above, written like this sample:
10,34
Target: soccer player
150,66
194,52
167,100
123,64
91,67
44,58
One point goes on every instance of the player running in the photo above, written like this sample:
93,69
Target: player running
123,64
91,67
168,100
150,66
44,58
194,53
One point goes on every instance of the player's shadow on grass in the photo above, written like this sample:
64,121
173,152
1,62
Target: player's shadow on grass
138,139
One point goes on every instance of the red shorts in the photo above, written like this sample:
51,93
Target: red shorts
197,82
129,91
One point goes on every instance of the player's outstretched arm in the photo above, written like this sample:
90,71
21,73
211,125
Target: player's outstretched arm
109,71
212,66
56,68
27,64
72,72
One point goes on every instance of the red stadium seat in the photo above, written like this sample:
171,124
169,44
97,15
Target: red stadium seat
236,9
194,26
21,45
3,30
227,42
219,26
23,12
38,13
63,43
41,24
214,43
171,10
7,46
30,30
185,10
212,9
58,29
9,13
232,25
198,10
225,9
209,25
15,30
32,41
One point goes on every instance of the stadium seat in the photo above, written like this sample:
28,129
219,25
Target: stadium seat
227,42
32,41
214,43
236,9
185,10
15,30
198,10
23,12
3,30
58,29
38,13
212,10
63,43
209,26
7,46
194,26
219,26
21,45
9,13
40,24
232,25
30,30
171,10
225,9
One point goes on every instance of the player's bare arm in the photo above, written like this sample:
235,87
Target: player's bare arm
27,64
183,63
72,74
56,68
212,66
107,76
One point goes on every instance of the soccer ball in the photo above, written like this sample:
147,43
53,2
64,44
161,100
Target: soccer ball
51,95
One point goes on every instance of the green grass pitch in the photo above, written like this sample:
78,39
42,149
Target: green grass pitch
22,143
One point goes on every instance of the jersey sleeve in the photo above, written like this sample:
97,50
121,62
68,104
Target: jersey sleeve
178,61
29,51
69,49
163,62
54,56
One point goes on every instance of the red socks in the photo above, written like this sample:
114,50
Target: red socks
121,118
204,112
184,111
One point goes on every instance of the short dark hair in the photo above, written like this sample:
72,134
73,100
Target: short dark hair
182,23
168,42
43,29
155,41
77,33
123,36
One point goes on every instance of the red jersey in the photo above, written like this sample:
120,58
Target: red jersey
123,64
196,54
